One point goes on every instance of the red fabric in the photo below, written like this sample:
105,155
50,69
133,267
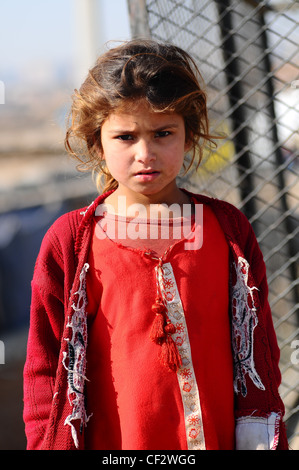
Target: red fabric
141,404
154,235
53,277
63,253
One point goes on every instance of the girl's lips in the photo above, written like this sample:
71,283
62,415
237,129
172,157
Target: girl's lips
147,175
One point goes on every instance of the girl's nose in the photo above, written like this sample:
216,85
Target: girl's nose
144,151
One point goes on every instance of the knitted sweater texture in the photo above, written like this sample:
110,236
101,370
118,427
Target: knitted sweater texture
54,373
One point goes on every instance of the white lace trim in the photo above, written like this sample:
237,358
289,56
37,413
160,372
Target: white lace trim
76,356
244,321
185,374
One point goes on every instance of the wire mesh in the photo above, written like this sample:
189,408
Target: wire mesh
248,54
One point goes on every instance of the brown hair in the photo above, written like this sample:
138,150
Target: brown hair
163,74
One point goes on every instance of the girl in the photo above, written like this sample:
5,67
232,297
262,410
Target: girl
143,334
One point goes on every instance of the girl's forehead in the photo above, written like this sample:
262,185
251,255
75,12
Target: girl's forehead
128,106
140,110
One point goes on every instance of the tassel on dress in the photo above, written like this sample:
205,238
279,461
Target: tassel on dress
161,332
157,332
170,356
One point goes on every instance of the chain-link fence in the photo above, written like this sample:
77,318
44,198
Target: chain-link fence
248,54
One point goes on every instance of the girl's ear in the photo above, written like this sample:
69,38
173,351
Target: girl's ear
98,149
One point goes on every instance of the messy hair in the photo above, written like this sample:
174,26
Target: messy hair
163,75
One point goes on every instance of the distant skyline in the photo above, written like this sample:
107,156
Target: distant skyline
35,32
35,35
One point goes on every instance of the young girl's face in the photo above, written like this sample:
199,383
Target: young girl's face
144,152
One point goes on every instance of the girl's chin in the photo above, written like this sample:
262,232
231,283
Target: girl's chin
155,192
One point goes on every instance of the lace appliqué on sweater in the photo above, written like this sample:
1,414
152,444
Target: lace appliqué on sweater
244,321
76,357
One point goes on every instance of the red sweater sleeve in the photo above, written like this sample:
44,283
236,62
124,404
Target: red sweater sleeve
258,268
237,227
46,327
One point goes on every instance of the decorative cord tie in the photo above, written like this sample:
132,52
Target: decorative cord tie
161,332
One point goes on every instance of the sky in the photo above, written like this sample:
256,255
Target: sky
33,29
47,32
44,36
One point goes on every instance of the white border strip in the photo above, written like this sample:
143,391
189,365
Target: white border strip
186,376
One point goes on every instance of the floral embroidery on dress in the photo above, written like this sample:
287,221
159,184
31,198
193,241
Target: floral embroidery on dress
76,357
244,321
185,374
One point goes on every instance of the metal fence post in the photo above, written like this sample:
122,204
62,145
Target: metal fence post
238,116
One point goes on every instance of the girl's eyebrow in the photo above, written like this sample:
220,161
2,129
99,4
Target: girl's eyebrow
171,125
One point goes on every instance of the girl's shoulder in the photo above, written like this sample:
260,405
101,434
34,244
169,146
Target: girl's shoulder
70,222
223,209
232,220
70,226
58,240
66,226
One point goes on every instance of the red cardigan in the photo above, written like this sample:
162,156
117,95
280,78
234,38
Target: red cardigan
54,373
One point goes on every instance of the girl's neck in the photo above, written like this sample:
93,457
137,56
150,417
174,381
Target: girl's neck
124,203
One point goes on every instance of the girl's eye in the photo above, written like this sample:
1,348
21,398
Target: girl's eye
162,134
125,137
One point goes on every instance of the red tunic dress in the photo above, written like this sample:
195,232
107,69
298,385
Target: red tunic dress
135,402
